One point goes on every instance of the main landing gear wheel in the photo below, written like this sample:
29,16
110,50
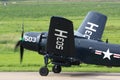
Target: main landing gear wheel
56,69
43,71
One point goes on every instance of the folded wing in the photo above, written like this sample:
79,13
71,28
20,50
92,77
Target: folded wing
92,26
60,37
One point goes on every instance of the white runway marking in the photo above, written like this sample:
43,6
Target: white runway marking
61,76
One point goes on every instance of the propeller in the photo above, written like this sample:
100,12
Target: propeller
19,43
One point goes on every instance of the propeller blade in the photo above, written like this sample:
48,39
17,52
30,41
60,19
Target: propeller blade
21,47
21,53
22,30
17,44
106,40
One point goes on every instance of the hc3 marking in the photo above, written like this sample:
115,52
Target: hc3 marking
90,29
60,38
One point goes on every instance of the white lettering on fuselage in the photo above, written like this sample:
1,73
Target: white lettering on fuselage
90,29
30,39
60,38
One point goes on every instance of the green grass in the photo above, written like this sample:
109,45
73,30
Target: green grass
36,15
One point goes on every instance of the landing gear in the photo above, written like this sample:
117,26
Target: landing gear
43,71
56,69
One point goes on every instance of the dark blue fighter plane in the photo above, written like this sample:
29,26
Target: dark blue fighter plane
64,47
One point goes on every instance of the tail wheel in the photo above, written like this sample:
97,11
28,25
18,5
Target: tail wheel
43,71
56,69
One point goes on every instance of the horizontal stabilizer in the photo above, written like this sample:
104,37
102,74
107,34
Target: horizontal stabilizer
60,37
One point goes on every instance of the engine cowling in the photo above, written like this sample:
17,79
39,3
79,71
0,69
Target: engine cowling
31,40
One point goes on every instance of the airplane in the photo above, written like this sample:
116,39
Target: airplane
62,46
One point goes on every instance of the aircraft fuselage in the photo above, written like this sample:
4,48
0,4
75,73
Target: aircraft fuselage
94,52
86,50
97,52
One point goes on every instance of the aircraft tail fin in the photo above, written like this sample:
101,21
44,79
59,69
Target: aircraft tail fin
93,26
60,37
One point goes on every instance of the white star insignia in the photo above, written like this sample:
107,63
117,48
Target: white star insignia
107,54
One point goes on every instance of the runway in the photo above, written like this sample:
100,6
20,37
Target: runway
61,76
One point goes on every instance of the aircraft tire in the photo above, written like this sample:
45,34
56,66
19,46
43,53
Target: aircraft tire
56,69
44,71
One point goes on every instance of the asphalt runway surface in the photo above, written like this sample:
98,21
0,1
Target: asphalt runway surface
61,76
